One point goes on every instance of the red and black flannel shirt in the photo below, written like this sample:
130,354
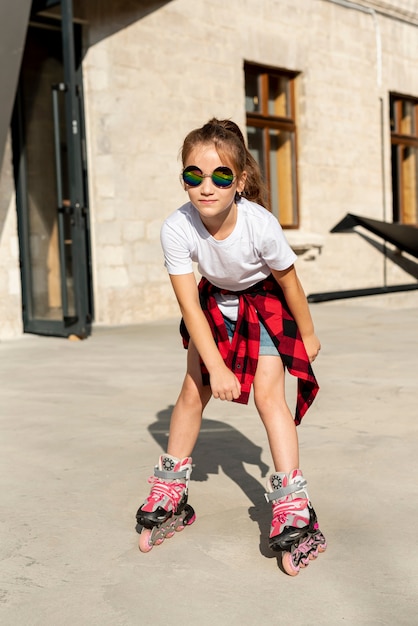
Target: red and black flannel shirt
263,301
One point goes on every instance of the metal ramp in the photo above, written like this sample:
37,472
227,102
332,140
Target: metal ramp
403,236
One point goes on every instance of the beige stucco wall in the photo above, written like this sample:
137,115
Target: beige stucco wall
10,286
150,82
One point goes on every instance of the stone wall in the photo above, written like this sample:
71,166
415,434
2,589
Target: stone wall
155,69
10,287
170,69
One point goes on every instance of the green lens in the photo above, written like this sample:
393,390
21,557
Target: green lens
223,177
192,176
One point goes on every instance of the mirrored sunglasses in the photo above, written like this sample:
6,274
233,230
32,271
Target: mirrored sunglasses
222,176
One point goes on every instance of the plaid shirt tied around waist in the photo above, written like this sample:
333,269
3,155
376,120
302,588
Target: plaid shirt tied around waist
263,302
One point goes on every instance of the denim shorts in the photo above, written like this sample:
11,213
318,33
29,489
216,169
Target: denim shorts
267,346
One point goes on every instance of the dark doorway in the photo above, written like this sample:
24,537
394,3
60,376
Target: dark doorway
51,180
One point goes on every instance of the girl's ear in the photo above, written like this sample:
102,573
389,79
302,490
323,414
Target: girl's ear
241,182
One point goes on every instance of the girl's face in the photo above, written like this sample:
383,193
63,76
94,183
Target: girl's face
213,203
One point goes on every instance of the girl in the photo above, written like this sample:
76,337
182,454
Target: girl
246,321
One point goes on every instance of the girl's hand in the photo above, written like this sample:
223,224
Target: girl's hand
312,346
224,384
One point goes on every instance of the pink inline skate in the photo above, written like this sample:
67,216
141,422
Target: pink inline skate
165,511
294,528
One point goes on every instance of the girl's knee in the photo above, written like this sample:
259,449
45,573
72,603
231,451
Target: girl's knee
264,396
192,394
264,406
270,404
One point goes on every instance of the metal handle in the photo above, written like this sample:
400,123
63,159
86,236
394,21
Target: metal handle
62,205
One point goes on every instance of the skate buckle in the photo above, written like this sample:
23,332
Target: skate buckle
281,492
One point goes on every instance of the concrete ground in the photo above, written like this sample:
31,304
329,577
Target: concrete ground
83,423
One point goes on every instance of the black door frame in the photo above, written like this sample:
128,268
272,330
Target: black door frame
75,206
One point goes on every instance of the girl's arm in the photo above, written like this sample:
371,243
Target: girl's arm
298,304
224,384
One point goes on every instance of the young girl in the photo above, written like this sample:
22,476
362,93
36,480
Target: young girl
246,321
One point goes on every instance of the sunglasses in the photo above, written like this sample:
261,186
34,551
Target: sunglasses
222,176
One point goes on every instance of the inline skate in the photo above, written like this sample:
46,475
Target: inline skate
294,528
165,511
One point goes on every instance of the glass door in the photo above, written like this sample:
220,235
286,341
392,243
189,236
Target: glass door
51,180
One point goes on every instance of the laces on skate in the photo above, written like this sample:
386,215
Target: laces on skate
174,491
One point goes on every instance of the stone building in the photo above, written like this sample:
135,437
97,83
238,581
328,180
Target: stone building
97,96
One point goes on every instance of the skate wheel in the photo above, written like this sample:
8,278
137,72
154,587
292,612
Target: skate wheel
288,565
170,534
321,542
323,546
144,540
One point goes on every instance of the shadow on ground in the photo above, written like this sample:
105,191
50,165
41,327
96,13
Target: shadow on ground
223,447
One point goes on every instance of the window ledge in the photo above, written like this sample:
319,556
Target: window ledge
306,245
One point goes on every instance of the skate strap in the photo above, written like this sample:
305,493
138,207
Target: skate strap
284,491
166,474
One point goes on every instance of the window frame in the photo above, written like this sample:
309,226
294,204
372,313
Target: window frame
266,121
399,142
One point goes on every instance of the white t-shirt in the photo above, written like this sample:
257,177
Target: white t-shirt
255,247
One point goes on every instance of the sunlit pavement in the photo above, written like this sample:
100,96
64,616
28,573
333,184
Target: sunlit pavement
83,423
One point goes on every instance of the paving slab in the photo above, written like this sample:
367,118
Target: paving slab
82,424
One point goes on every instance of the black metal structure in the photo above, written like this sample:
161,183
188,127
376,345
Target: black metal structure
403,236
51,178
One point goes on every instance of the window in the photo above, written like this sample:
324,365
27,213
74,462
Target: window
404,140
271,135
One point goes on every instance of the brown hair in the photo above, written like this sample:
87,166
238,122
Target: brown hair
229,143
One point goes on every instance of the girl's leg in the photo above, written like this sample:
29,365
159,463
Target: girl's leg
166,510
187,413
269,398
294,528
